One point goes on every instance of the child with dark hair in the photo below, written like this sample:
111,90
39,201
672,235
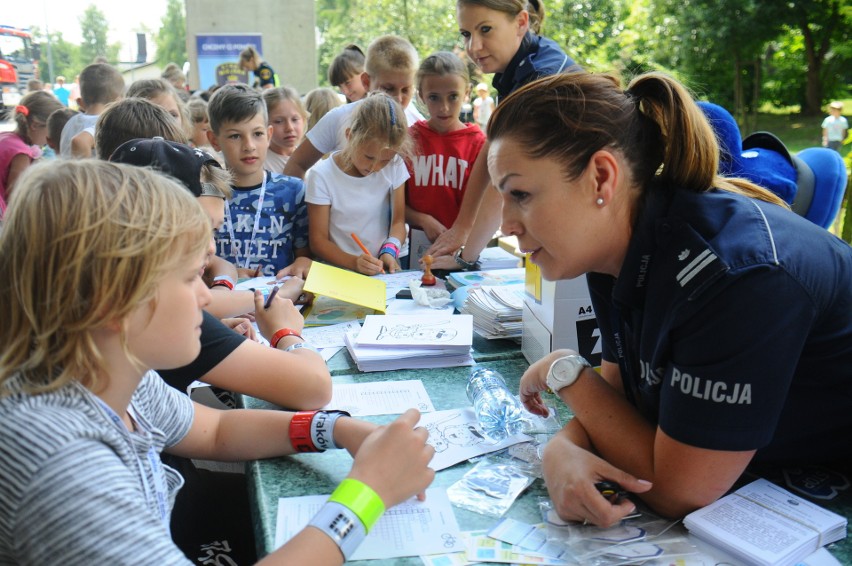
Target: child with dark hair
55,124
345,73
266,221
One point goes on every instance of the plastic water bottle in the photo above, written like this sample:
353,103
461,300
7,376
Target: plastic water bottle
499,413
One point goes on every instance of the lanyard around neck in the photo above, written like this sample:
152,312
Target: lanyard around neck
251,242
156,493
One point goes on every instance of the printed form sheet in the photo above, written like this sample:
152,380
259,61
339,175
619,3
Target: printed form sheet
380,398
411,528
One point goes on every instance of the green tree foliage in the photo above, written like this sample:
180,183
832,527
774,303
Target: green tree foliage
94,28
65,55
429,25
171,39
823,30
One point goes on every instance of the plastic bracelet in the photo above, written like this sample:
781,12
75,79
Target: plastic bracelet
224,281
273,342
393,241
300,432
393,252
299,345
388,245
322,429
361,498
342,525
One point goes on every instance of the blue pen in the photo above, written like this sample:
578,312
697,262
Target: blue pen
270,297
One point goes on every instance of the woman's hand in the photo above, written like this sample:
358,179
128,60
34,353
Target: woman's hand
433,227
447,243
241,325
445,262
280,314
534,381
393,460
571,472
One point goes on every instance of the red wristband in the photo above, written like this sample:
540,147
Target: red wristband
300,432
223,281
281,334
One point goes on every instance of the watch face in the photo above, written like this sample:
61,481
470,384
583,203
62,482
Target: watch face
565,369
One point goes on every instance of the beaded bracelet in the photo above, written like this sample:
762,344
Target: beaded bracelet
361,499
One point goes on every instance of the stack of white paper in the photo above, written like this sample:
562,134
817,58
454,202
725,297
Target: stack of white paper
496,310
497,258
388,342
762,523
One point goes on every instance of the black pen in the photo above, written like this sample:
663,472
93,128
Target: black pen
613,492
270,297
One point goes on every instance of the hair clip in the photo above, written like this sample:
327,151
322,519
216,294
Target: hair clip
23,110
392,112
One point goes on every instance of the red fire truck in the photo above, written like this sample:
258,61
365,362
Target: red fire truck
18,64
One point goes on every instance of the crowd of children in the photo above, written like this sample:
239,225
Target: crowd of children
121,256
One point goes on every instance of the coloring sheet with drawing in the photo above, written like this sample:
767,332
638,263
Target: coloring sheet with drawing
456,436
448,332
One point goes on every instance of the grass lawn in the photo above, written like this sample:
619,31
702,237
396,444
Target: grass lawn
798,133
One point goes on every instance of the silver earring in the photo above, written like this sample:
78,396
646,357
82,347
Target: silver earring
599,202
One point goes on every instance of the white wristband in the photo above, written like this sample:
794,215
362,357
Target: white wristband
322,429
342,525
298,345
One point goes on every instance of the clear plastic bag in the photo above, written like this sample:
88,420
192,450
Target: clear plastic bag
598,546
491,486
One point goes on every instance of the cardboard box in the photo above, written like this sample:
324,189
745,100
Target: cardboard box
558,314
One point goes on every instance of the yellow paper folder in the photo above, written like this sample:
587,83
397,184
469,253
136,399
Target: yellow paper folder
346,286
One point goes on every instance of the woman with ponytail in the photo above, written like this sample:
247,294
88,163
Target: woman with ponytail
501,37
725,318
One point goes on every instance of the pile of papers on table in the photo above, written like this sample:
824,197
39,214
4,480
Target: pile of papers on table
496,310
458,279
388,342
497,258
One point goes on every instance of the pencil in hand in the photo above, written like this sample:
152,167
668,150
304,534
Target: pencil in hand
362,246
270,297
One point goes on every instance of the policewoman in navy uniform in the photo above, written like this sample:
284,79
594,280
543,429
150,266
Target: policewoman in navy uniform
726,319
265,77
501,37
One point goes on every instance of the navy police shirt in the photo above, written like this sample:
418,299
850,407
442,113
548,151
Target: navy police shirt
731,322
536,57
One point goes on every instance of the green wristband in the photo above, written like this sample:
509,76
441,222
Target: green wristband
361,499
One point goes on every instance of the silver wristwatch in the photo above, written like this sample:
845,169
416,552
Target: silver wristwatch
463,263
565,371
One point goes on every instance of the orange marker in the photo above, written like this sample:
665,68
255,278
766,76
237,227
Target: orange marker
361,245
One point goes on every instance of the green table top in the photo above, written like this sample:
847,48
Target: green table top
310,474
